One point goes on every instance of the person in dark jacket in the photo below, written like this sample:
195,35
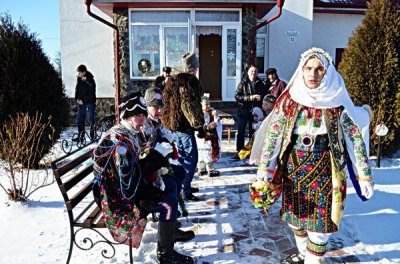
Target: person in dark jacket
276,85
85,96
249,93
161,80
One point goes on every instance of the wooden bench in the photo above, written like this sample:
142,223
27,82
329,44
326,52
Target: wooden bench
73,174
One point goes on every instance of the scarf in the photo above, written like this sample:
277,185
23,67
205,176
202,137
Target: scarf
330,93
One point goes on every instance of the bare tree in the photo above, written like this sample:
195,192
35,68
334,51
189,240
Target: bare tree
20,145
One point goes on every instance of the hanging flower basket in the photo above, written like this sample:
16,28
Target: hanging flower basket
144,65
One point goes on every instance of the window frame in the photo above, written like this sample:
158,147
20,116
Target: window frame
162,25
262,75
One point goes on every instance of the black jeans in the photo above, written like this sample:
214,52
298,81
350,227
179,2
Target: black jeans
244,117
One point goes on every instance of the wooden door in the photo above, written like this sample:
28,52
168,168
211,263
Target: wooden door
210,59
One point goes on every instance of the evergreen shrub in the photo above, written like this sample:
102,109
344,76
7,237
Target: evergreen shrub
371,70
28,81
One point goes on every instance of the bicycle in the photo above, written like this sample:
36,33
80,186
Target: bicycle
80,140
103,125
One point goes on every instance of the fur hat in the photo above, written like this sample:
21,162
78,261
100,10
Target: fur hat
269,99
270,71
153,97
190,62
132,104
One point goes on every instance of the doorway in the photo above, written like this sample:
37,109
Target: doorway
210,59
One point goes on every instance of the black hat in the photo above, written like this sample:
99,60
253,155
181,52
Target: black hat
153,97
166,69
132,104
269,99
270,71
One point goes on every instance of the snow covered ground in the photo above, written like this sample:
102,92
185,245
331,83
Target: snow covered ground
228,228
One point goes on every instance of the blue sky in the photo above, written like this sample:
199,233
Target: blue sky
41,16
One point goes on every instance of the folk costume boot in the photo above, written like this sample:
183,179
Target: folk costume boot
315,253
301,238
165,247
183,236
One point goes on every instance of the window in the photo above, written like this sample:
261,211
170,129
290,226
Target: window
159,16
260,54
145,46
176,44
227,16
159,37
231,52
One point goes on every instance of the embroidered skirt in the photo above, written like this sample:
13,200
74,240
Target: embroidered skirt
307,191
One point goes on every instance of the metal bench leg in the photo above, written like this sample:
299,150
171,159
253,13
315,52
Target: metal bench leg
130,251
71,244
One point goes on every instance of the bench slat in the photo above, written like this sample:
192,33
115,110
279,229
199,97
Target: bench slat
100,223
76,179
91,219
79,196
60,171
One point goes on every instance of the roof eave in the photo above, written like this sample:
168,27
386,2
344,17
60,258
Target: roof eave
262,6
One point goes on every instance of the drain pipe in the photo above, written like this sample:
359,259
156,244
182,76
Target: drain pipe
279,3
116,51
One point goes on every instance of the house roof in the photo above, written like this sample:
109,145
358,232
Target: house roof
347,3
344,6
262,6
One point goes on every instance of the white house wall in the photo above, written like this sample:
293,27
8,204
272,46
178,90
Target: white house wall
85,40
289,36
298,29
331,31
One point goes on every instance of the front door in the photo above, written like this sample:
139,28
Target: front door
210,59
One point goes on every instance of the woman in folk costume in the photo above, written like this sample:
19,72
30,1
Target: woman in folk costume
209,147
307,139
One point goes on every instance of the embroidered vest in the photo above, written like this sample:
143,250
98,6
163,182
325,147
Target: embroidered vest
335,133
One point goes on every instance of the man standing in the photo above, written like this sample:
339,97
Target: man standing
277,86
249,93
161,80
183,115
85,96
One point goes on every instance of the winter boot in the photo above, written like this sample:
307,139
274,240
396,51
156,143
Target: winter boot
183,236
165,248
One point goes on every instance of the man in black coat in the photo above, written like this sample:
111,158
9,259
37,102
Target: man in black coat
85,96
249,93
